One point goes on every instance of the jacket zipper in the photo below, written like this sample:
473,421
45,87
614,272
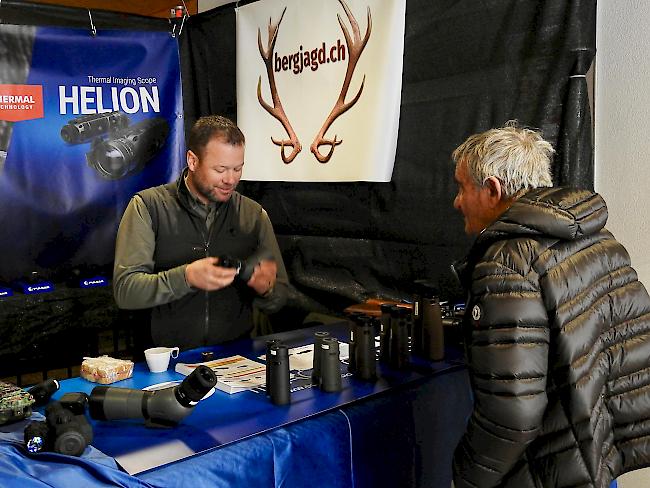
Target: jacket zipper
206,243
206,248
206,325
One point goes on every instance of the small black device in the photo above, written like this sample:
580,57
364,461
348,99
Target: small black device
63,431
43,391
330,377
159,408
279,375
245,267
230,262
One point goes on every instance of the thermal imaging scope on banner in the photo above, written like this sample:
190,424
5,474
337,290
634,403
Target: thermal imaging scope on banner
129,150
117,149
83,129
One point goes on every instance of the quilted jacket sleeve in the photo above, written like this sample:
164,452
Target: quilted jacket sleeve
507,349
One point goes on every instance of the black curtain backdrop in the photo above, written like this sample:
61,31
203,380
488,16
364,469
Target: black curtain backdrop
468,66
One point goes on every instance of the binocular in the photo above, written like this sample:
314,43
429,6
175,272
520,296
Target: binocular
326,372
278,385
362,360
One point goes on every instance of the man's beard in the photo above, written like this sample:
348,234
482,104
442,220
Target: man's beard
208,192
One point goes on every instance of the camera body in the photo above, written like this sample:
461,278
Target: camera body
66,429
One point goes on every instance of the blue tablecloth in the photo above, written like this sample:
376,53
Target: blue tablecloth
403,438
401,435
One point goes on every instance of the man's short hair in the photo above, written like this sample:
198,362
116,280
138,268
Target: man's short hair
518,157
210,127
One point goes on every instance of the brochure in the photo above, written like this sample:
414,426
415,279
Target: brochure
234,373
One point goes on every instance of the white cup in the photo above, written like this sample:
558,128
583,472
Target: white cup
158,358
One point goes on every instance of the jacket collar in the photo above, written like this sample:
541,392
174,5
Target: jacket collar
557,212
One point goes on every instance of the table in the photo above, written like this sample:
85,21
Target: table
399,431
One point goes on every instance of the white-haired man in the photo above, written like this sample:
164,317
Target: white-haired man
557,326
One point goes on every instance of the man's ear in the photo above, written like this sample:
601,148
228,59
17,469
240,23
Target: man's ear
494,190
192,160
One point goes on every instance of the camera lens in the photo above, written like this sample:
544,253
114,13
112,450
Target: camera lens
36,436
130,150
70,443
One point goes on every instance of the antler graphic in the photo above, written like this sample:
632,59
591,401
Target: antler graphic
277,110
355,48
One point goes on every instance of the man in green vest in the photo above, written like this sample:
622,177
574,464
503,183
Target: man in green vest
195,252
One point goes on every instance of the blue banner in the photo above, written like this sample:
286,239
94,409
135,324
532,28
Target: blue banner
95,120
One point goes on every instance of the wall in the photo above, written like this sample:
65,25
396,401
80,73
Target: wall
622,120
622,124
208,4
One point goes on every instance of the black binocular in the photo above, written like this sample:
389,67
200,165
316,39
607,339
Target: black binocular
326,372
278,385
362,360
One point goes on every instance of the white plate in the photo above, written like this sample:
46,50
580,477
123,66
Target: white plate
167,384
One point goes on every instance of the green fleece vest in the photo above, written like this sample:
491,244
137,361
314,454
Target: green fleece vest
201,318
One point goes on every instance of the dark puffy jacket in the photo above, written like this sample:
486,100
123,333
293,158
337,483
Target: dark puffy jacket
557,334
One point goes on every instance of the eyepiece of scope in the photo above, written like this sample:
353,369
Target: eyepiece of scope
196,385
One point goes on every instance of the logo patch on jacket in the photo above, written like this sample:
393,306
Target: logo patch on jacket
476,313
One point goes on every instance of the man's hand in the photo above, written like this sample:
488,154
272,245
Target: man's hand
263,278
206,274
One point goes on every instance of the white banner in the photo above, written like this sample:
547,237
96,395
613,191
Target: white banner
329,74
